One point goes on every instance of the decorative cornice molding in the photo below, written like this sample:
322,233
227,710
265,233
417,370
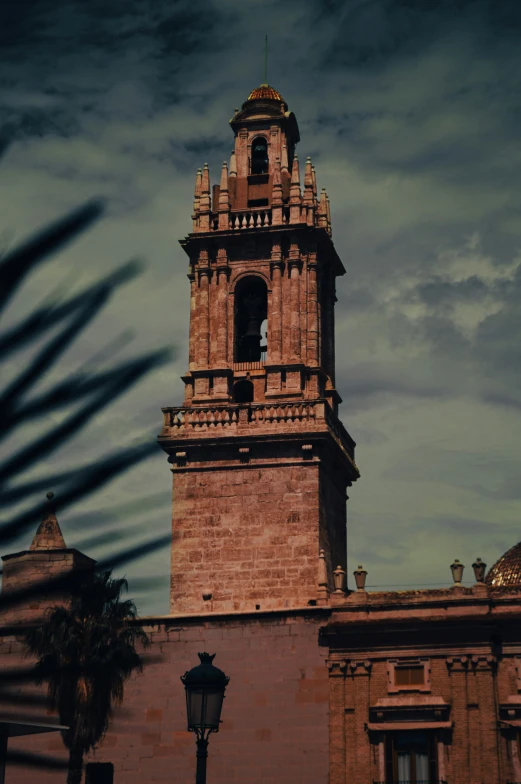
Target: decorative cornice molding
349,666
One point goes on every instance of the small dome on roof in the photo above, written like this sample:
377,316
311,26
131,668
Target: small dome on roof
265,91
507,569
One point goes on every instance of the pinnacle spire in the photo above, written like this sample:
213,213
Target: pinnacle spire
294,193
204,202
295,180
224,197
308,182
284,160
233,165
48,535
277,184
223,187
276,194
197,192
322,209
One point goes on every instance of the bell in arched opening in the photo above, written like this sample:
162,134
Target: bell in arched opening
259,156
251,310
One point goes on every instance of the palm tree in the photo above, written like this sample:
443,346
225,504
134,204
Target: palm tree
86,651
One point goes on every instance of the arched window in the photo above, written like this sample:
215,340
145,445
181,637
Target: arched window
251,310
243,392
259,155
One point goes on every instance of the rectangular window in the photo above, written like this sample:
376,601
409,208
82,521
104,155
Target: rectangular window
411,757
408,675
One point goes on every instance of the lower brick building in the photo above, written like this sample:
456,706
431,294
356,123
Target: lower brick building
395,687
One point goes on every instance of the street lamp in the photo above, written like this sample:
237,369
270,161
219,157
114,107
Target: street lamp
204,686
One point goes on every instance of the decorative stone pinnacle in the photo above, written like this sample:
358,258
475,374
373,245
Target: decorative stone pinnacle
479,570
322,569
48,535
360,576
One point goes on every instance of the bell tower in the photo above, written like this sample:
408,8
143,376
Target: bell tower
260,460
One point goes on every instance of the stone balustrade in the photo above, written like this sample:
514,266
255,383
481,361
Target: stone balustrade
231,415
250,219
197,419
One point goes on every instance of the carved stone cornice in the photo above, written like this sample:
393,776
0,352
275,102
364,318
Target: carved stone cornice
337,667
349,666
472,663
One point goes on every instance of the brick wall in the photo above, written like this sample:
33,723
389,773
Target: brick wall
275,715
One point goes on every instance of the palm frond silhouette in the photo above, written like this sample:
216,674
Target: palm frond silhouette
79,400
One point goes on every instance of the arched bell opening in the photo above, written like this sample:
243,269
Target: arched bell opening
251,312
259,156
243,392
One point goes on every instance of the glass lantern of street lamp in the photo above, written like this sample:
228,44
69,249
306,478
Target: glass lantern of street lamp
205,686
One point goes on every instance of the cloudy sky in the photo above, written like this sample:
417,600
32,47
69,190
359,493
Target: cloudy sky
411,111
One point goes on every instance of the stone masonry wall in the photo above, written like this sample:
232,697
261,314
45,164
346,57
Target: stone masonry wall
29,568
275,715
249,535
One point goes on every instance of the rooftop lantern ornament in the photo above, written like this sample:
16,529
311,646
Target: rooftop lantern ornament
457,571
205,686
479,570
339,578
360,577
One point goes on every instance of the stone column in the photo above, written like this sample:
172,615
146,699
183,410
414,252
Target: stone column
312,358
294,277
222,320
203,327
275,317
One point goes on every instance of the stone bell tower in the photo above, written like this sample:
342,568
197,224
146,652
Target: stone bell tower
260,460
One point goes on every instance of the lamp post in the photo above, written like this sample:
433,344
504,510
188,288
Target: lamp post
204,686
